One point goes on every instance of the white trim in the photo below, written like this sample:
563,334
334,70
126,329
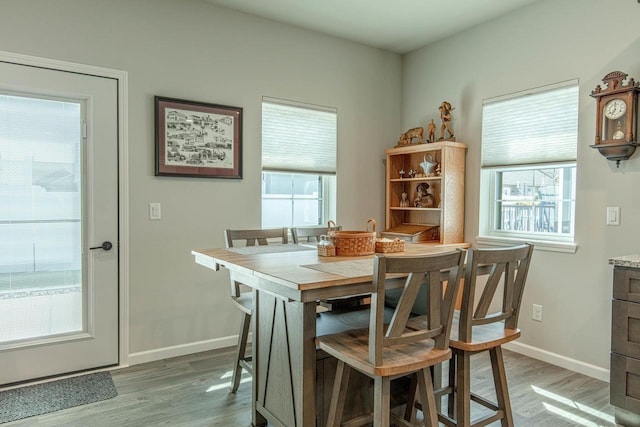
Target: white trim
541,245
559,360
531,91
182,350
123,172
123,164
291,103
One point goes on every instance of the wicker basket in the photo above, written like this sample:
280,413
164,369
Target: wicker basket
353,243
389,245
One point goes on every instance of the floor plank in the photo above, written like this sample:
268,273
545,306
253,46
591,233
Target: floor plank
193,390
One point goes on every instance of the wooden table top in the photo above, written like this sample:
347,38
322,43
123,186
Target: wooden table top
299,268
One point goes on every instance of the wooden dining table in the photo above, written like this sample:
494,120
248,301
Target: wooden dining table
287,282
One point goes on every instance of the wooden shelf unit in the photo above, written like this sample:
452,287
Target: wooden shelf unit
447,189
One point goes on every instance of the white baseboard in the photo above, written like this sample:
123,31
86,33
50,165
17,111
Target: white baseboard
181,350
559,360
524,349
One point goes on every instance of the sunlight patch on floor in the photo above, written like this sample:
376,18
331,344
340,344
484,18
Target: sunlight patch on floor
578,420
246,378
606,418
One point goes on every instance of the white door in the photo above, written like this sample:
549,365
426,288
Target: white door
58,199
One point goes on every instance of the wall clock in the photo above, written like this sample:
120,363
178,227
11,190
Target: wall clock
616,118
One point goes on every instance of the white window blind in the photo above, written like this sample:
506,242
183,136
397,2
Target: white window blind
298,137
531,127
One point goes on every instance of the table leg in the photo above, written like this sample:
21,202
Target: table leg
284,360
257,420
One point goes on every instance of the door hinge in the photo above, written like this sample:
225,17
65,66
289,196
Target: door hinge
84,129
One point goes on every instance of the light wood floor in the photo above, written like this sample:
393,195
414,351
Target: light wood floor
193,391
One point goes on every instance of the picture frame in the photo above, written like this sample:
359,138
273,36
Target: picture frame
197,139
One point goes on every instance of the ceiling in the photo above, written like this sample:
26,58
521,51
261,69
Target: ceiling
395,25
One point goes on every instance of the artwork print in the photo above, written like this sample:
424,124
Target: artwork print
198,139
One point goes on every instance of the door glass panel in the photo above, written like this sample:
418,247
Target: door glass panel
40,218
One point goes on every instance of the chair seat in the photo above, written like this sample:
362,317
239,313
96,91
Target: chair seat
352,347
484,336
244,302
338,321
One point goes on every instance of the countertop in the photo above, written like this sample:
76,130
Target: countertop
632,261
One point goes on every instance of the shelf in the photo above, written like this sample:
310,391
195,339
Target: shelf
426,178
398,208
414,233
419,148
616,151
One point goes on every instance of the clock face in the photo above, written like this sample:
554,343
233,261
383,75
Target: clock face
615,108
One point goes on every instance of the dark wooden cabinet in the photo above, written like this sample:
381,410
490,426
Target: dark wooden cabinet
625,346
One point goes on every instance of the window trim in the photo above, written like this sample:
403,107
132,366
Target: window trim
542,245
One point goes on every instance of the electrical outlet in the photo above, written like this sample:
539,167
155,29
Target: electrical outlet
536,313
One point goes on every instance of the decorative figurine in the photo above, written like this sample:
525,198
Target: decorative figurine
407,137
418,198
411,173
431,131
404,200
423,198
401,173
445,114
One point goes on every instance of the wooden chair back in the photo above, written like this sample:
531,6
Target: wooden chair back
309,234
508,266
259,236
250,237
404,329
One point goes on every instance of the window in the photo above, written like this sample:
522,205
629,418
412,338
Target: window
298,163
40,186
529,143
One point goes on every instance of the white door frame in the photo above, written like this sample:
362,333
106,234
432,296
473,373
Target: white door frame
123,176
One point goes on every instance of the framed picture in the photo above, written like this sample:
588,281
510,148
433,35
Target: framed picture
198,139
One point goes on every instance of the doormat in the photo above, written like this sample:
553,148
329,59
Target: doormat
54,396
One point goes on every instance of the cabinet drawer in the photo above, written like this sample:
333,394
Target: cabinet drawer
626,284
625,328
625,382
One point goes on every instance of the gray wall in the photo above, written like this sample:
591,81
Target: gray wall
549,41
193,50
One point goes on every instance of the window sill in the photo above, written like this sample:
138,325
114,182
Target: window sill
541,245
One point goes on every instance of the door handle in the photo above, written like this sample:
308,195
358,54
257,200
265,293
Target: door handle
105,246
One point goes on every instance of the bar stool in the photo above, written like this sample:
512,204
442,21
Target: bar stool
244,300
475,330
406,345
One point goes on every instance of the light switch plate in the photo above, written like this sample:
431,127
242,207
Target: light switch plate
155,211
613,215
